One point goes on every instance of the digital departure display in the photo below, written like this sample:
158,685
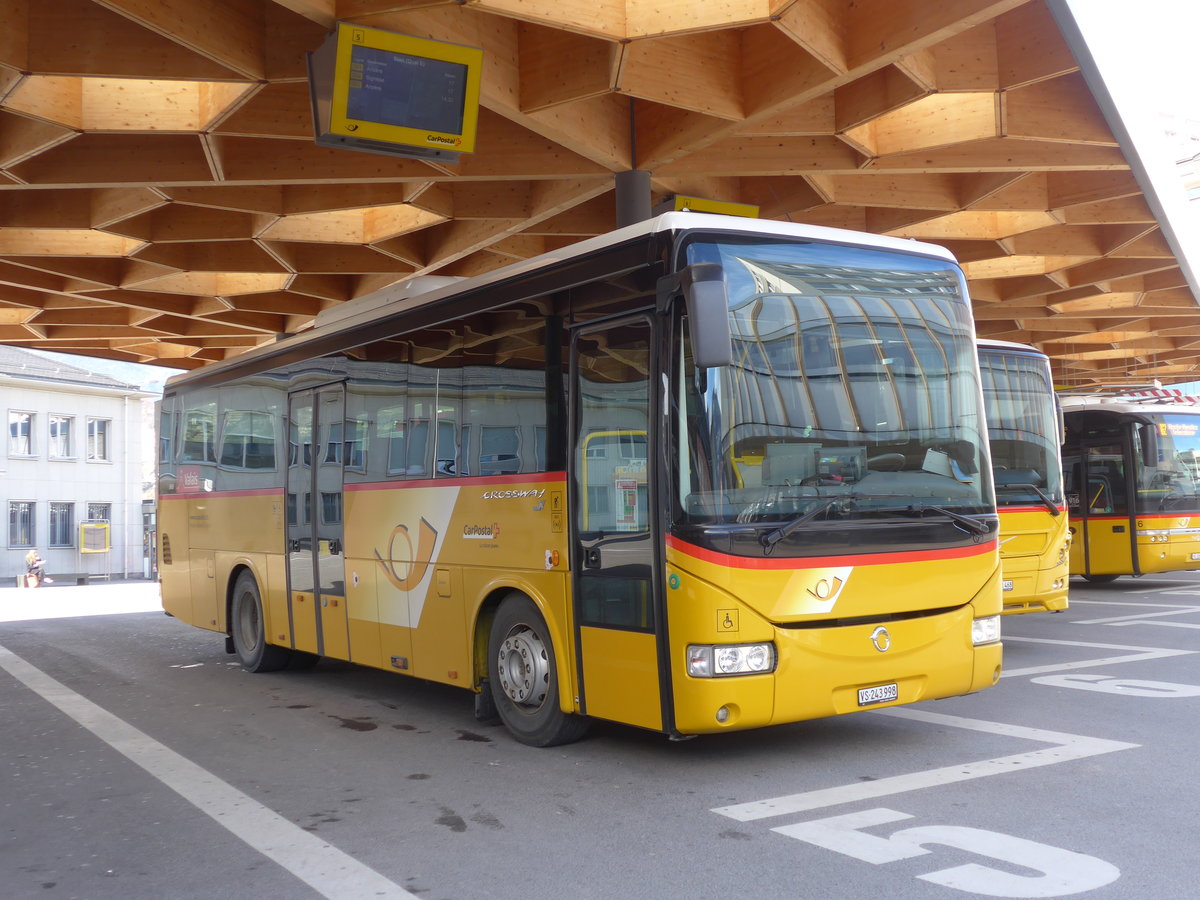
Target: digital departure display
408,91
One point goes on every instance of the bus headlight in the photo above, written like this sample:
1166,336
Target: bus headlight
716,660
985,630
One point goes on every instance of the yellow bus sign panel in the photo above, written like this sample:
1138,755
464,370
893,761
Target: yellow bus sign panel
681,202
395,94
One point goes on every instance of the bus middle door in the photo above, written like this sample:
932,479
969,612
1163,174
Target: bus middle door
316,569
618,620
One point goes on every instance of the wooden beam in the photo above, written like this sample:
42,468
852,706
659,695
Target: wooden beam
646,18
276,110
604,18
776,74
873,96
937,120
697,72
117,160
116,45
323,12
1060,109
213,256
229,32
816,117
882,31
1029,47
557,66
22,137
331,259
1004,155
967,61
766,156
1108,270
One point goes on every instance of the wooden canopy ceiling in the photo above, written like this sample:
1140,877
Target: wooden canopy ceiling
162,200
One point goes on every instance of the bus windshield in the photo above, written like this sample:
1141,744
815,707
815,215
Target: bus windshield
853,393
1022,423
1173,481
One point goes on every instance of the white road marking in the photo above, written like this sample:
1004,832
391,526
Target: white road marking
322,867
1138,654
1132,604
1174,611
1157,590
1066,748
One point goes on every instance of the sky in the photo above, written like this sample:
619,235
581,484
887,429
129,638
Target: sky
1147,52
1150,45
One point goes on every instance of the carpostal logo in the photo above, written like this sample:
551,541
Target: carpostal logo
536,493
440,139
482,532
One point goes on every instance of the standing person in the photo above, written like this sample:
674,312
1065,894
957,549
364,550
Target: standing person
36,567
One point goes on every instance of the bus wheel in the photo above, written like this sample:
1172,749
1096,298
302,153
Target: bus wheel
1100,579
524,680
249,638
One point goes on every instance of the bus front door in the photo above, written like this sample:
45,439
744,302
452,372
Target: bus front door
618,618
316,573
1101,504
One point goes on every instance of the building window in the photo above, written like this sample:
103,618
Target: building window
20,524
62,437
62,525
99,512
98,448
20,434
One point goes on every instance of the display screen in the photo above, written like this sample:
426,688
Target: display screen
408,91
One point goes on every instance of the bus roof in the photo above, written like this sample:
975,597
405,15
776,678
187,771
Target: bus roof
1138,404
993,344
422,291
671,221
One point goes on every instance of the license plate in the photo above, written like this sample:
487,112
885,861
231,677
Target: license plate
881,693
1196,556
1006,584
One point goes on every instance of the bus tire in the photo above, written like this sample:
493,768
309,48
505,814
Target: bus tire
524,677
1100,579
248,631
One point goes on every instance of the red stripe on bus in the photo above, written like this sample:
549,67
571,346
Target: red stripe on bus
862,559
194,495
1125,517
477,480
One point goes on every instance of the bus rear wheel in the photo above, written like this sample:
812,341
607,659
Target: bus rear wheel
1100,579
524,677
248,631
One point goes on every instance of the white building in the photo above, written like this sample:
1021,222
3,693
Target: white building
73,454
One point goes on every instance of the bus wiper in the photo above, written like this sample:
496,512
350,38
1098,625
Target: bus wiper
916,510
1042,495
775,535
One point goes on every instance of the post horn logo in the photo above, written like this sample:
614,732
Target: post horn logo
415,561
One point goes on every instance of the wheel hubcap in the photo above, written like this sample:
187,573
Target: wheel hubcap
523,667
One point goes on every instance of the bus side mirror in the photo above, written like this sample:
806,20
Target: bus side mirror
1148,438
703,286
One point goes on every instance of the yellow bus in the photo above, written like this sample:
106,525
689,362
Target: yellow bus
1024,434
1133,483
700,474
